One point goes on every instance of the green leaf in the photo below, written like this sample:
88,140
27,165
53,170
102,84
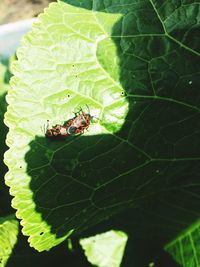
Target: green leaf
138,78
3,89
77,79
5,199
8,237
105,250
185,247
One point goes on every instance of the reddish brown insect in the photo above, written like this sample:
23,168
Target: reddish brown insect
74,126
55,131
79,123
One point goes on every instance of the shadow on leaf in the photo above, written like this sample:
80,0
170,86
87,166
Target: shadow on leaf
150,166
5,198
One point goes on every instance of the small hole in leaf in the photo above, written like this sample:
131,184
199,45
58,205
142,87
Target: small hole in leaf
123,93
41,233
68,95
20,167
76,76
73,65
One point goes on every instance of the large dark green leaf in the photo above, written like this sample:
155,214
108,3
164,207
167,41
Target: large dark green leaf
139,73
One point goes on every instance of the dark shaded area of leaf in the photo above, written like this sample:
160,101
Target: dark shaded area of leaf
151,164
141,252
5,198
24,256
181,11
144,245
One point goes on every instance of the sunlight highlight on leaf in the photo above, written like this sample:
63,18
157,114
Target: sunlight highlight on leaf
138,76
8,237
105,250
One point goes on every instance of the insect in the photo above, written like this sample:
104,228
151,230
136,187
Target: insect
55,131
79,123
74,126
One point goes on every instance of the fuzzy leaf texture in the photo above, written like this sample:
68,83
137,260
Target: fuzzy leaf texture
8,237
136,65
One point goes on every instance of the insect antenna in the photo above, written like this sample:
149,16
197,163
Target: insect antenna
90,113
77,112
44,128
47,127
88,108
96,118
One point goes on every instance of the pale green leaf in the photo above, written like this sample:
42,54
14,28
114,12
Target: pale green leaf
8,237
58,71
105,250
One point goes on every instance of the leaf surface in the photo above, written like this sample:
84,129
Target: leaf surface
138,76
106,249
185,247
5,199
8,237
